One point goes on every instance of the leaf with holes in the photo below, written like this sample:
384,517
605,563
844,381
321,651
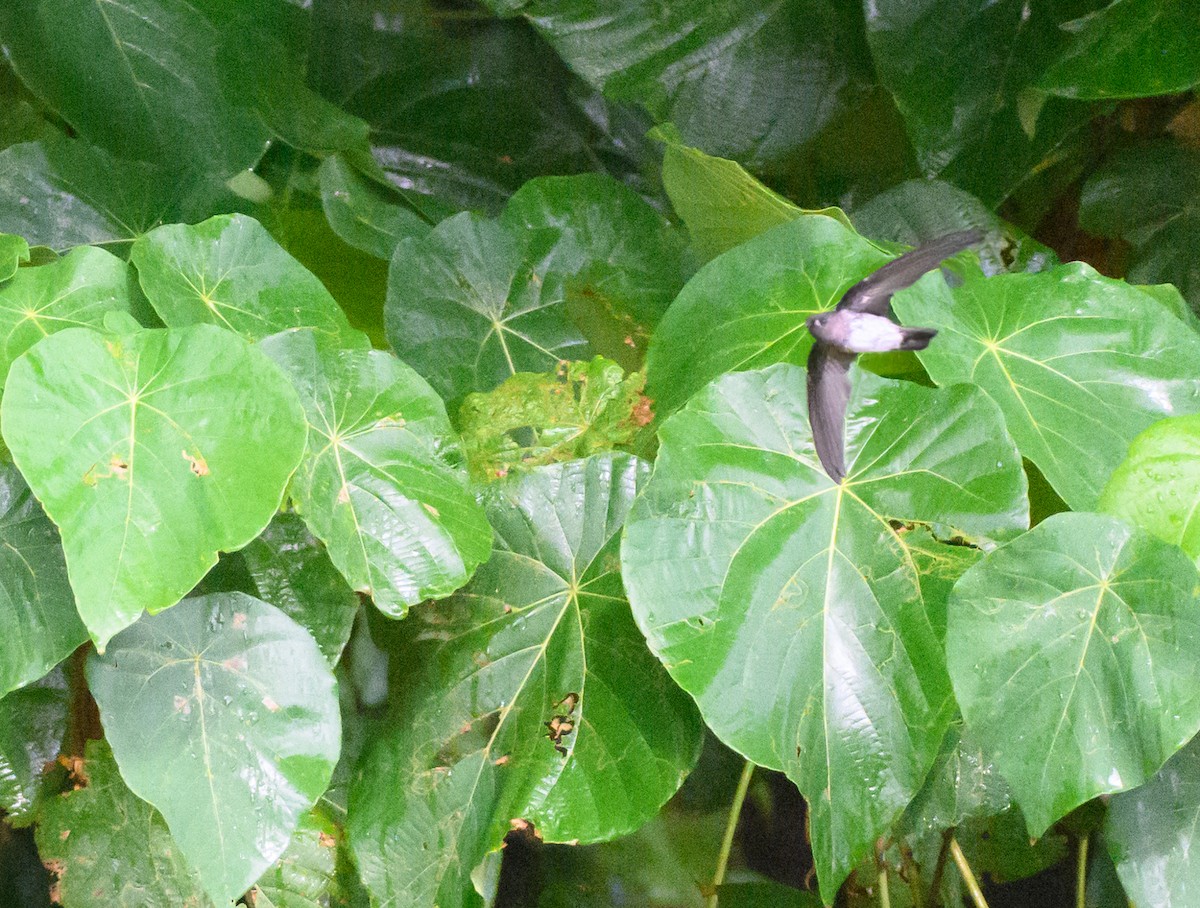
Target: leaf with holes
1073,651
229,272
1079,364
223,714
466,306
151,451
381,484
530,700
806,617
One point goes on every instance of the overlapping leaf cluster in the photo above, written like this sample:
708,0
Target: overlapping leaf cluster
404,426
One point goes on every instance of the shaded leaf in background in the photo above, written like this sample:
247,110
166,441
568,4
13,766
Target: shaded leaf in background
37,608
529,699
229,271
110,848
1129,49
916,211
746,309
963,75
1151,831
751,80
304,875
1150,196
223,714
536,419
292,571
151,452
1078,363
793,609
620,263
721,204
33,723
366,215
466,306
62,192
13,251
381,484
1072,652
1157,486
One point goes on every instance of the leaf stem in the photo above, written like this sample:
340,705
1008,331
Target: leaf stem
939,869
735,813
968,877
1081,874
885,897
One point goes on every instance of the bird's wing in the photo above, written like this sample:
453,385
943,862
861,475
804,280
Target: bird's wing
828,394
874,292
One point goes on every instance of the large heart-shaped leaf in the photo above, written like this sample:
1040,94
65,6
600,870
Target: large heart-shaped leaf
746,308
151,452
793,609
109,847
366,215
1072,651
229,271
380,483
467,308
1078,363
223,714
1151,831
37,609
530,699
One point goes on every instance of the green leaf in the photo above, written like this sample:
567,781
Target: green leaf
466,306
530,699
303,877
1150,196
795,611
619,261
292,571
223,714
963,76
33,721
151,452
746,309
1072,651
111,849
536,419
686,65
721,204
1151,831
364,214
1157,486
229,271
37,609
61,193
1129,49
381,483
1078,363
13,251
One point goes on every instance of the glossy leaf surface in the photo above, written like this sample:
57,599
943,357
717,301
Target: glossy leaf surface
799,616
1102,622
1151,831
467,308
530,699
37,608
380,483
292,571
108,847
230,272
33,721
1079,364
223,714
1157,486
13,251
365,215
303,877
151,452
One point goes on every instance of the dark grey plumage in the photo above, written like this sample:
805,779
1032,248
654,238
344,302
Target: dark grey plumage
860,324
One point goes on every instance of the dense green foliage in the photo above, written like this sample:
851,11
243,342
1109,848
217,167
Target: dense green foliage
406,455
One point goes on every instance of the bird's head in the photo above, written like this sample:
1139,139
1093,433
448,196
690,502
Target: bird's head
817,321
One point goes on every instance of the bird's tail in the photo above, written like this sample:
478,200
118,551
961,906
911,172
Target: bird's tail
916,338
